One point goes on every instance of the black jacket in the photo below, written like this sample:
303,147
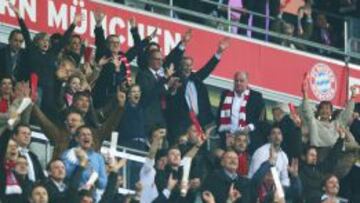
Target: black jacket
44,64
292,143
312,175
178,109
219,184
7,67
153,91
39,174
109,79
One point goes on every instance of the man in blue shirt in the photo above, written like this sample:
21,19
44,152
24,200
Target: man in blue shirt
95,165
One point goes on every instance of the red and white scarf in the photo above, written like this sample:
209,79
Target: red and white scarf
225,113
12,184
123,59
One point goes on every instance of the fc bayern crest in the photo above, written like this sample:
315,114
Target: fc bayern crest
323,82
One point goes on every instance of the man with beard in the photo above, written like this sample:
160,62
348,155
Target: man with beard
241,143
290,127
263,153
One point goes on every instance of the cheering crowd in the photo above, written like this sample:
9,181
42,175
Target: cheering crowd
78,95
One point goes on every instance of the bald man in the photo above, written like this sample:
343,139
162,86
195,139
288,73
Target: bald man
240,109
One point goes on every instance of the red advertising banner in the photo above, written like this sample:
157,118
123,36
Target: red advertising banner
270,67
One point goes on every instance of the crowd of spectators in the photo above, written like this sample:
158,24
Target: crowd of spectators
79,95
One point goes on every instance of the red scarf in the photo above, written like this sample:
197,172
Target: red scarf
12,185
225,113
4,105
263,190
123,59
243,167
195,122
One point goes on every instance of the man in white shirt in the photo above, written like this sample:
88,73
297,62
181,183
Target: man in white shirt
263,153
22,136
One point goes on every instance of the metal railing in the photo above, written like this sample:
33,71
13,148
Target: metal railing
343,54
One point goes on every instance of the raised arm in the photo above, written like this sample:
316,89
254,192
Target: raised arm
110,190
112,121
49,128
206,70
139,44
100,41
64,40
24,30
174,57
346,114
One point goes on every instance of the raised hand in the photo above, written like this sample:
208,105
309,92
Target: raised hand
171,182
104,60
132,22
341,131
82,156
234,194
117,165
99,17
223,45
208,197
121,97
153,33
305,85
14,9
170,71
294,167
185,39
78,19
355,91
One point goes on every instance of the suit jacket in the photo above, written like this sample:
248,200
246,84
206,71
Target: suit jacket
55,195
178,109
6,67
39,174
152,92
219,184
254,107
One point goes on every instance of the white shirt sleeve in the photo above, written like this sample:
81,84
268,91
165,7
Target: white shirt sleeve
258,158
284,174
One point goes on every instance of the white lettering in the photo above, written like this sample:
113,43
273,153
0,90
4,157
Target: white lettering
82,28
4,5
57,19
170,41
29,8
114,22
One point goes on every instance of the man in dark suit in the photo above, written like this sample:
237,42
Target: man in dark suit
221,181
56,186
115,71
241,110
10,55
22,136
192,95
155,83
